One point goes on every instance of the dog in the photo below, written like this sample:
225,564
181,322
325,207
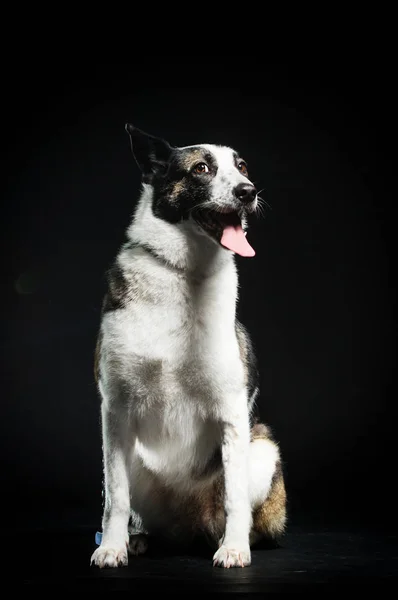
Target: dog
184,457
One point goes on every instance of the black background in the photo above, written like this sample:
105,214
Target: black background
318,297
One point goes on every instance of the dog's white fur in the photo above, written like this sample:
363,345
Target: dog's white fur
172,384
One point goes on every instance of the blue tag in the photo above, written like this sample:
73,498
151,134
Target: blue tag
98,538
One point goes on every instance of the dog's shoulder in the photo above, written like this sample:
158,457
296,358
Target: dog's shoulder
117,289
133,278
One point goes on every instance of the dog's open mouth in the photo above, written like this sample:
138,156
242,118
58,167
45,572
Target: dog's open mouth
226,228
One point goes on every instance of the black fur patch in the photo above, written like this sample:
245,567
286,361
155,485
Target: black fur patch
249,357
179,190
117,293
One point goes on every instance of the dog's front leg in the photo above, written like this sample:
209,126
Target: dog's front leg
234,550
117,444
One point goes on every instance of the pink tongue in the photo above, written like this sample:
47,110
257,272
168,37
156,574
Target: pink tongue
234,239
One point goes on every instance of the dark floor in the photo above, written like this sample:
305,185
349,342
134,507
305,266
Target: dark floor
309,559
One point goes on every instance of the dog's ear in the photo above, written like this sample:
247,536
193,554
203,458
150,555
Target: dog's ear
151,153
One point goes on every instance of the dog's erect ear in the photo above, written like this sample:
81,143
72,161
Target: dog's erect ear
151,153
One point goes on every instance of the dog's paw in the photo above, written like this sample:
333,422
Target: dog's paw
106,556
232,557
138,544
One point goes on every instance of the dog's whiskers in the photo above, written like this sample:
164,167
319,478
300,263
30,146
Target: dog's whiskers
262,199
208,204
260,208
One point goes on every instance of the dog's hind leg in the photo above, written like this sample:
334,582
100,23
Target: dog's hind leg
138,537
266,487
138,544
116,447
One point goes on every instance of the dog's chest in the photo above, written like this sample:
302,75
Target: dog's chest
176,318
178,344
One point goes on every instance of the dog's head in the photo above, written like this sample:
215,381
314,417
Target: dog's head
206,184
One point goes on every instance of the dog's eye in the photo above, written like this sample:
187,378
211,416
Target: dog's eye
243,168
201,168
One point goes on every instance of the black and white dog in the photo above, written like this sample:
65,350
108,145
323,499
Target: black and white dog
176,371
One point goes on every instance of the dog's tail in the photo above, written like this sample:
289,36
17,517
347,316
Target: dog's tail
269,519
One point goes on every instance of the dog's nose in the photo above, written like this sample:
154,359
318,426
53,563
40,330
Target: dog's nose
245,192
